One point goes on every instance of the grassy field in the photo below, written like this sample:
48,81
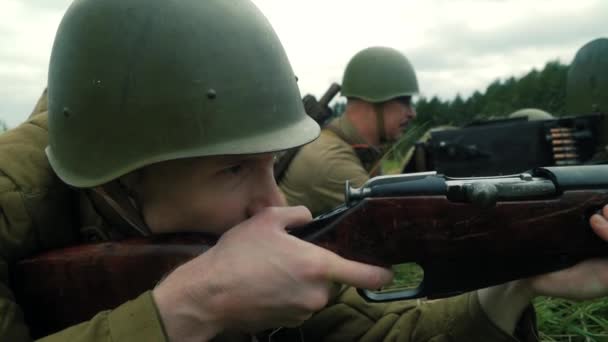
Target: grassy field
558,320
562,320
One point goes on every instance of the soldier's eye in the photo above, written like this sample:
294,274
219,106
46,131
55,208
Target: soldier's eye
235,169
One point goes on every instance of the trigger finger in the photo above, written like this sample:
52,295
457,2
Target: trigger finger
600,226
358,274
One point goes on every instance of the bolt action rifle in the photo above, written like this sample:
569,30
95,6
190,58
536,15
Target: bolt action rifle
318,111
465,233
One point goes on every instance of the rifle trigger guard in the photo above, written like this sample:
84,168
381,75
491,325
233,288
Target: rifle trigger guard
388,296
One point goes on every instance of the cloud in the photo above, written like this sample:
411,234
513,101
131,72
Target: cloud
456,46
37,7
27,28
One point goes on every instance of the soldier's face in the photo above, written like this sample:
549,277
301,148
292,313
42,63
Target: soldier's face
207,194
397,116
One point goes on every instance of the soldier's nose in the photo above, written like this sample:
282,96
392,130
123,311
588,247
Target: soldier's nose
267,194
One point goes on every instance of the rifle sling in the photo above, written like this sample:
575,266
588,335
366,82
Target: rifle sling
114,205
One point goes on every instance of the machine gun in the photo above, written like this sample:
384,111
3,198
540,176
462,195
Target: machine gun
508,146
465,233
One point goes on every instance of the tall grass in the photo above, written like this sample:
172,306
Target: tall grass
558,320
563,320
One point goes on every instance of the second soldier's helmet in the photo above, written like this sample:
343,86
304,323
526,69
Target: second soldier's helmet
135,82
379,74
587,85
532,114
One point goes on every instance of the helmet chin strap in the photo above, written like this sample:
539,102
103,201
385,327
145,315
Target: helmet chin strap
114,204
379,110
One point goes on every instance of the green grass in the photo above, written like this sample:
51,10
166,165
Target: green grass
391,166
558,320
563,320
406,275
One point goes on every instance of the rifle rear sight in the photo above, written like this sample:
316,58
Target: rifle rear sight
481,191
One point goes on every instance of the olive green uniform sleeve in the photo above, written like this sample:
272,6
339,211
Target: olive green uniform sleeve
136,320
317,174
37,213
350,318
30,198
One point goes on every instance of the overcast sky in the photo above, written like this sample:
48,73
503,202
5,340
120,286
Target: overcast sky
456,46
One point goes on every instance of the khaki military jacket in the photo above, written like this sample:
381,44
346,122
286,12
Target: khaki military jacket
315,178
38,212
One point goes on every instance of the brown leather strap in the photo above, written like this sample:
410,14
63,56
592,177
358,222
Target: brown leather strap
526,329
281,334
112,202
282,163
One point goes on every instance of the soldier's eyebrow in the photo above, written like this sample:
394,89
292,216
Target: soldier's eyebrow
232,159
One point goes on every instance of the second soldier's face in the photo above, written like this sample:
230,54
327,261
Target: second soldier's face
397,116
207,194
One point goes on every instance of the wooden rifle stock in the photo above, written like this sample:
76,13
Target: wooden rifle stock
465,233
63,287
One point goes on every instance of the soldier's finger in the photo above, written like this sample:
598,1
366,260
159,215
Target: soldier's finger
600,226
334,289
292,216
358,274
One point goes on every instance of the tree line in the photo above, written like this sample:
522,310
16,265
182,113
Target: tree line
544,89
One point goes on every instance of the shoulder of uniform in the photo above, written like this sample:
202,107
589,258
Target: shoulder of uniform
326,150
23,162
335,143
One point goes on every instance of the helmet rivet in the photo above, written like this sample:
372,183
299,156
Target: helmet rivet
66,112
211,94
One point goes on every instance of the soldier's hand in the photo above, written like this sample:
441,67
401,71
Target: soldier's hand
586,280
257,277
599,223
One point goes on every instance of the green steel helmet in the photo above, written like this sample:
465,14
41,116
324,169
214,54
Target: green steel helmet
135,82
532,114
587,85
379,74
